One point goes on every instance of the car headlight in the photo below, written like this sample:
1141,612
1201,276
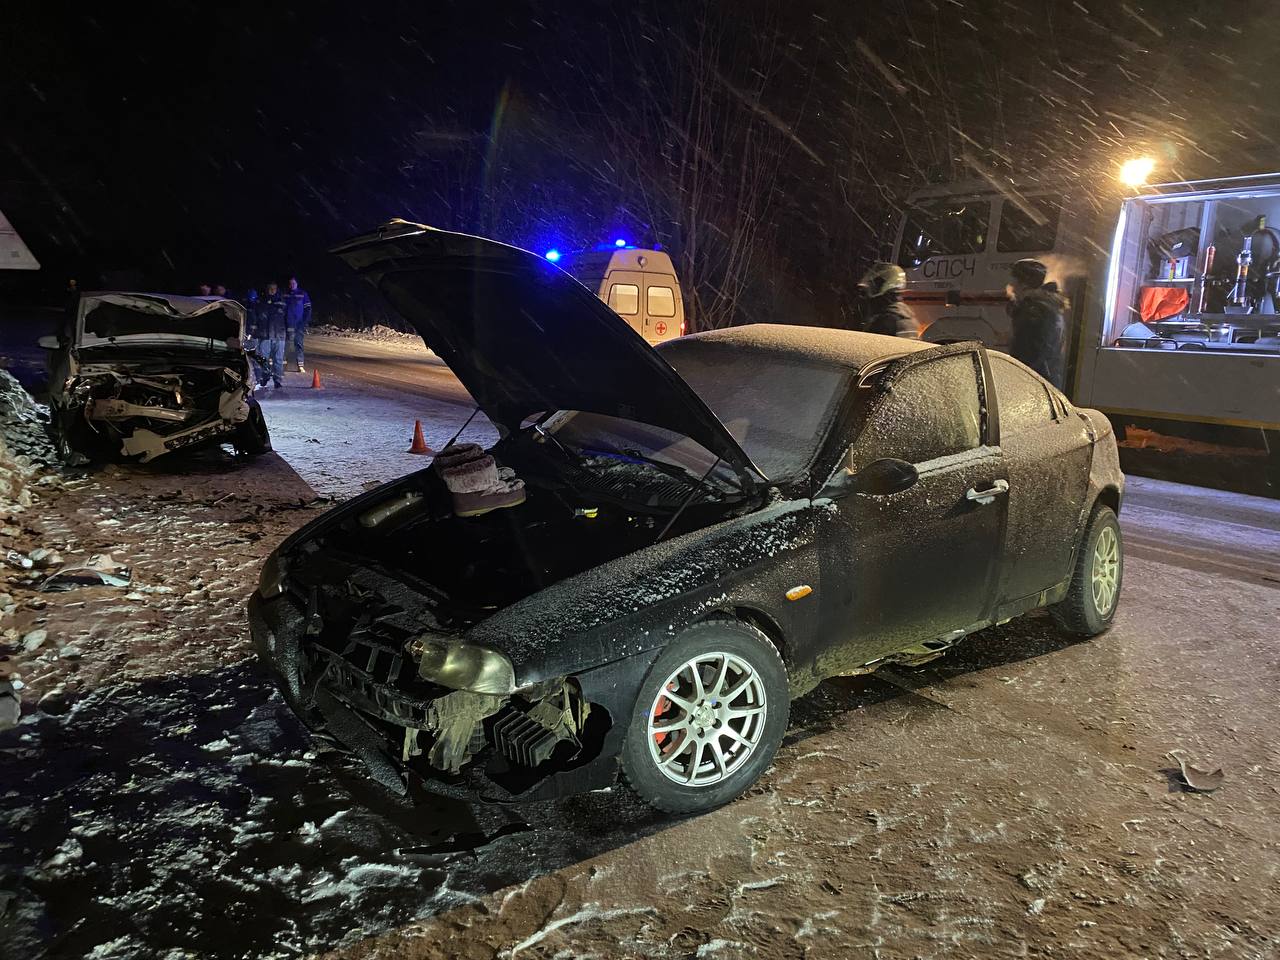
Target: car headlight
460,666
271,579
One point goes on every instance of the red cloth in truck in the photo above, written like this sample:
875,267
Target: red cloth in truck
1158,303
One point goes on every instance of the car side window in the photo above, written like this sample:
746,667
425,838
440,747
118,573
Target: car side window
931,411
1024,401
625,299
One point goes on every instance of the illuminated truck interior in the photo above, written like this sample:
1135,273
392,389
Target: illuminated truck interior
1196,272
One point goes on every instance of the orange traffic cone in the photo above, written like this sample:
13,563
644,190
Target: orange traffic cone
419,444
315,379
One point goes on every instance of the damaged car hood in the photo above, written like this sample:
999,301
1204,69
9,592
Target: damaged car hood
525,338
108,319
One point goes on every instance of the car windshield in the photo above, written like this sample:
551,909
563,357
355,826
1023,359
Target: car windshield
776,406
598,433
113,321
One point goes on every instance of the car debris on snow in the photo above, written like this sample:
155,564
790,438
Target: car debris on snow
10,704
99,570
1195,779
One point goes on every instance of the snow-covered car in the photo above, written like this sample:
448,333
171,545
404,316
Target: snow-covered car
708,531
138,375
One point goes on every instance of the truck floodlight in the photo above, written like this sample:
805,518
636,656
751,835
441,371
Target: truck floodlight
1135,171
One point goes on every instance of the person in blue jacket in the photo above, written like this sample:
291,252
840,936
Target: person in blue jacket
299,316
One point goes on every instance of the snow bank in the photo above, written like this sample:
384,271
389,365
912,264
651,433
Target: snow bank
376,334
24,446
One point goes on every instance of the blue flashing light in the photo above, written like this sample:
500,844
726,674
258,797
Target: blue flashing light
553,255
620,242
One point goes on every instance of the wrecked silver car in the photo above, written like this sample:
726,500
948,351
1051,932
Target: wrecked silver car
139,375
667,546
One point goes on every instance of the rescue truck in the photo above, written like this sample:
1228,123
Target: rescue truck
1174,292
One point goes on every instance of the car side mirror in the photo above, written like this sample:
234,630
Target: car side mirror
49,342
879,478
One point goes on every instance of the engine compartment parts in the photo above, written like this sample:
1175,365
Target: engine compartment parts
134,412
139,375
529,737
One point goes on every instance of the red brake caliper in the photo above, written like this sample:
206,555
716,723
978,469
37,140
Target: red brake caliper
659,709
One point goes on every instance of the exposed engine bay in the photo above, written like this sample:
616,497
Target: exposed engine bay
148,409
138,375
373,638
576,517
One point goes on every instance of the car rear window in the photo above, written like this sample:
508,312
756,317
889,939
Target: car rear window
1024,402
778,408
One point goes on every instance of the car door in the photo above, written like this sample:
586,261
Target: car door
923,563
1047,449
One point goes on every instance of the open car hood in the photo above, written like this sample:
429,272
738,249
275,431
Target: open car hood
120,319
525,338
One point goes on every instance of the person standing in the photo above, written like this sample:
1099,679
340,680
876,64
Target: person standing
220,290
299,316
252,336
273,329
1037,311
883,311
204,290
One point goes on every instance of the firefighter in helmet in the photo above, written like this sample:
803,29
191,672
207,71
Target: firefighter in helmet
883,311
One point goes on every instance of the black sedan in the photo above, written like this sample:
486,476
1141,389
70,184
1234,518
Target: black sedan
682,541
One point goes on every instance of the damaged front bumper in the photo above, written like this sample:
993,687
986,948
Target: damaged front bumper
145,417
361,688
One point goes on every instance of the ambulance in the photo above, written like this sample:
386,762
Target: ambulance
639,284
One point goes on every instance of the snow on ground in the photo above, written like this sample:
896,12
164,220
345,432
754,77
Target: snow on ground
349,434
1015,797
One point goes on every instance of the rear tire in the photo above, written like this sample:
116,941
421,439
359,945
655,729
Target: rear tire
252,438
1091,600
720,689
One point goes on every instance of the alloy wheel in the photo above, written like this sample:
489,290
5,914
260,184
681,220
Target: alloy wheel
1106,570
707,719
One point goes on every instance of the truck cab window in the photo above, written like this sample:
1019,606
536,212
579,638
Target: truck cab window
1020,233
939,228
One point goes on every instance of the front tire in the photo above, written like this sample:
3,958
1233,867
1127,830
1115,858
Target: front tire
1091,601
709,718
252,439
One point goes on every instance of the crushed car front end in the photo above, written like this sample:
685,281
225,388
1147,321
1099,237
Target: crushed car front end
144,375
385,663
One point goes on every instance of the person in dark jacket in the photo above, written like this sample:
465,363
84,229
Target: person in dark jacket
883,311
253,345
1038,315
273,329
299,316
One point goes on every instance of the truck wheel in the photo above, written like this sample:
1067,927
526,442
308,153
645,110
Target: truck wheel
708,719
1094,594
252,439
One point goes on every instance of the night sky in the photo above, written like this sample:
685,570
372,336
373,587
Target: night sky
195,141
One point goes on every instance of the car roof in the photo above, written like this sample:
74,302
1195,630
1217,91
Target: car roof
845,348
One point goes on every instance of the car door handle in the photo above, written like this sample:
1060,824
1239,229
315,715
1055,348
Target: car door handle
986,496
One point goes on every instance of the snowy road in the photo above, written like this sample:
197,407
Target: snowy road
1017,796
